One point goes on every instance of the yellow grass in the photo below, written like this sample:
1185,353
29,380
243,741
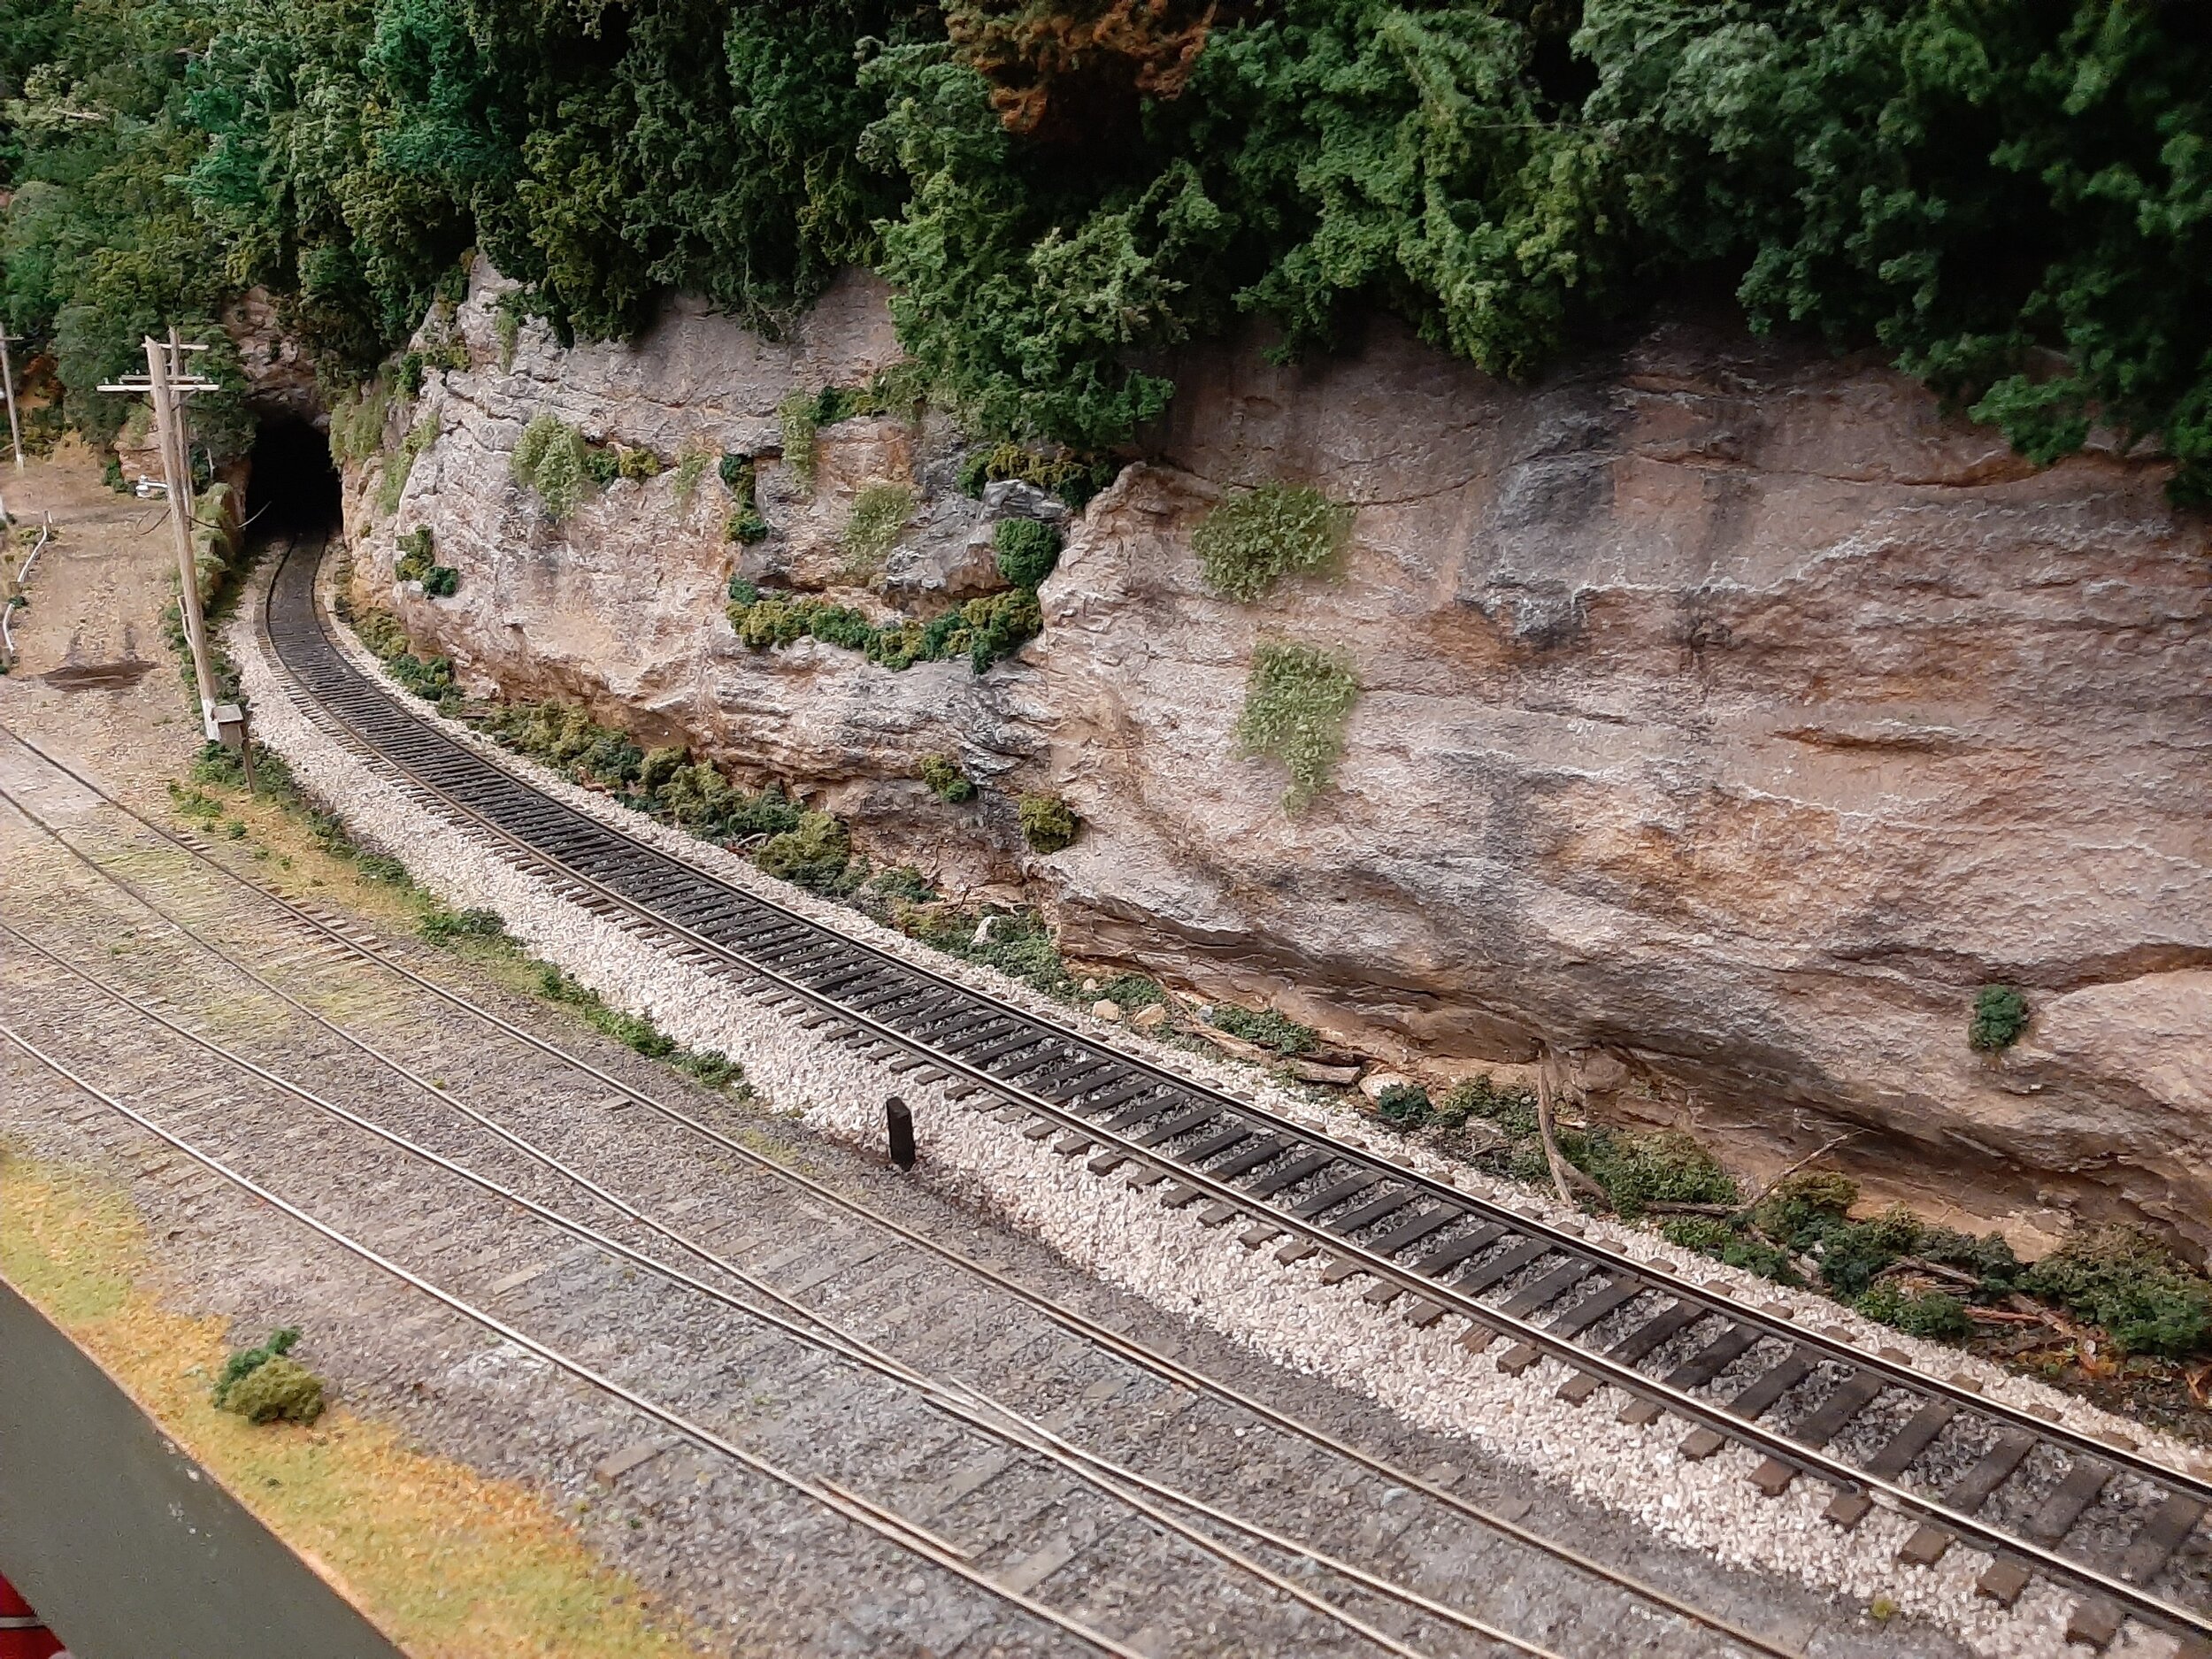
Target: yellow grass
448,1564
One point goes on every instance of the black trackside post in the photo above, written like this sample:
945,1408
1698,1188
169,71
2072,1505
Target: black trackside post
898,1123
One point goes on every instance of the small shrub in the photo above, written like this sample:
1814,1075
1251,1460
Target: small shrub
1048,823
601,465
637,464
1250,541
1266,1027
441,581
262,1386
1296,706
1074,479
413,563
279,1391
879,516
1809,1199
1404,1106
946,780
1001,625
1935,1314
1638,1171
553,459
744,522
2127,1281
797,416
2000,1014
356,425
409,374
1027,550
741,592
814,854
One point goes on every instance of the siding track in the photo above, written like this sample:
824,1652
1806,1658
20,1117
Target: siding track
2099,1518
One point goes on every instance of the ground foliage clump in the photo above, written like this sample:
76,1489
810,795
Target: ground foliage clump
1264,1026
2000,1014
2012,202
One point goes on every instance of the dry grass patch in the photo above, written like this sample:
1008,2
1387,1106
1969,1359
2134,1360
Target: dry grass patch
448,1564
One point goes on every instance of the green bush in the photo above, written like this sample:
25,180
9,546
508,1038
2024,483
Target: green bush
1027,549
2125,1281
2000,1014
637,464
601,465
1664,1166
814,854
1296,706
553,459
983,630
278,1390
414,561
1265,1027
1935,1314
1405,1106
879,518
441,581
1048,823
744,522
1808,1202
262,1386
1252,540
946,780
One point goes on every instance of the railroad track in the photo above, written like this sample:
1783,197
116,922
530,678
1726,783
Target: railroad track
95,1017
2095,1516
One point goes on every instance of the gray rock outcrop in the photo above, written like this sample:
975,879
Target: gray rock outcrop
1729,716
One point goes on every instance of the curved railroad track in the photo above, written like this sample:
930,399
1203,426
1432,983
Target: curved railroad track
2095,1516
93,1017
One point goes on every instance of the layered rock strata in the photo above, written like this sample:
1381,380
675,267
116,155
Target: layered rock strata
1729,715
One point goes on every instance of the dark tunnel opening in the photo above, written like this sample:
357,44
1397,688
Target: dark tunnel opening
293,487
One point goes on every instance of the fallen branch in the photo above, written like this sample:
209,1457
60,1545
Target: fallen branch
1933,1269
1821,1151
1564,1176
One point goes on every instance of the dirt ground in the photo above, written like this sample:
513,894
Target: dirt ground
92,667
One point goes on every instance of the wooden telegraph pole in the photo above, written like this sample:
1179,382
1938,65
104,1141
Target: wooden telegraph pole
165,382
7,380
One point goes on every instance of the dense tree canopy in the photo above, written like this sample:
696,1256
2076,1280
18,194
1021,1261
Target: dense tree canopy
2013,198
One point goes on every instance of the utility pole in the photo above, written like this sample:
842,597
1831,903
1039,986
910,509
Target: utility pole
165,382
7,380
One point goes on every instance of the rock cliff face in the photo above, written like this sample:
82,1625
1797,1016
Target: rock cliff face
1729,716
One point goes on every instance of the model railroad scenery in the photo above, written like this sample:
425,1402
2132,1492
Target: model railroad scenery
1019,827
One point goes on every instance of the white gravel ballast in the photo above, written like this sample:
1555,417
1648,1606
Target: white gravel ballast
1127,1237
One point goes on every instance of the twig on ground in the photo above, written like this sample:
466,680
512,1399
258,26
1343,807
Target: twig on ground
1564,1176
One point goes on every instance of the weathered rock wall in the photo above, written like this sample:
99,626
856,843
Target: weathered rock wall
1729,716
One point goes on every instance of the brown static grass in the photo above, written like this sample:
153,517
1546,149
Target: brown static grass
448,1564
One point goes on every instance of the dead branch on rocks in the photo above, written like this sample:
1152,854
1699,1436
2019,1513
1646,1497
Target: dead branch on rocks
1564,1176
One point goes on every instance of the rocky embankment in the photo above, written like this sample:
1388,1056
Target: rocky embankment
1729,715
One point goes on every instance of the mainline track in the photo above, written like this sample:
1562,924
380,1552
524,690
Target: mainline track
1432,1250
